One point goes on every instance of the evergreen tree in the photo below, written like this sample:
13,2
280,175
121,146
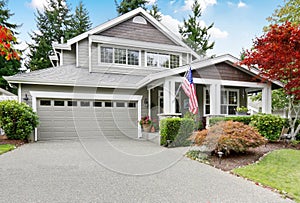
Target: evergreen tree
80,22
195,35
7,67
54,24
155,12
128,5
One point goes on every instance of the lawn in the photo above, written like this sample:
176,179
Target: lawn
280,170
6,147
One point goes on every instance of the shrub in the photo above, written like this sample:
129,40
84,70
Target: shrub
268,125
243,119
17,119
168,129
178,130
229,136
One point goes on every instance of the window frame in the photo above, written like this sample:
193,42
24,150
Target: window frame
204,100
163,53
113,55
227,90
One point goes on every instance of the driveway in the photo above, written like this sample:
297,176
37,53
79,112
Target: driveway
117,170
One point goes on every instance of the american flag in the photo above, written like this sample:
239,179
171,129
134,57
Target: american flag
189,89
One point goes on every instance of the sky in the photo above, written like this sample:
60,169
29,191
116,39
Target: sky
236,22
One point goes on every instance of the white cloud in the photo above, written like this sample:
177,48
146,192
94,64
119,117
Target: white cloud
151,2
38,4
229,3
203,3
172,24
241,4
172,2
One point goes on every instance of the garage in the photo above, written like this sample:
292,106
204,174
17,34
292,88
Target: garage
86,118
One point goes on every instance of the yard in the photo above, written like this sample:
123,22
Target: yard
280,170
6,147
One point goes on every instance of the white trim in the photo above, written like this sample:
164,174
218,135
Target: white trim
61,61
77,55
65,95
20,93
160,53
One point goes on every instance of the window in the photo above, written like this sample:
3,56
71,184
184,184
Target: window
229,101
59,103
119,56
120,104
97,104
85,103
108,104
160,101
72,103
206,101
45,102
106,54
133,57
132,105
162,60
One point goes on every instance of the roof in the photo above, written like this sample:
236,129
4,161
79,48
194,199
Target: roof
122,18
6,93
116,77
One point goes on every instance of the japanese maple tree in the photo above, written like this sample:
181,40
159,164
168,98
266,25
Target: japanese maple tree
7,39
276,55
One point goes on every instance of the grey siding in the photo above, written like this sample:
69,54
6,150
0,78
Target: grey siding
139,32
83,53
95,54
69,57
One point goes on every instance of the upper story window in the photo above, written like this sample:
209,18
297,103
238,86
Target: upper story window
162,60
119,56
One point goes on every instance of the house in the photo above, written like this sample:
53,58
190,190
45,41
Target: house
109,77
6,95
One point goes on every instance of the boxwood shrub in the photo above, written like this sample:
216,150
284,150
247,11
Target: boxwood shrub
178,130
268,125
17,119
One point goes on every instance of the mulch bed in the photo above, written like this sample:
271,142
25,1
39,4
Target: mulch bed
251,156
17,143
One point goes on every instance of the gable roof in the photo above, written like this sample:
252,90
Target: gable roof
6,93
122,18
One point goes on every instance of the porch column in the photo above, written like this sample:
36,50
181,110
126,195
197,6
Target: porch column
266,99
169,97
149,102
215,99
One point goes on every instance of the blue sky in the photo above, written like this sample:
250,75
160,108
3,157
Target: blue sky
236,22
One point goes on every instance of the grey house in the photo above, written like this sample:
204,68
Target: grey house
109,77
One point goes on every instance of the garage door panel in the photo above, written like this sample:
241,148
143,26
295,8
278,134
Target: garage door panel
70,122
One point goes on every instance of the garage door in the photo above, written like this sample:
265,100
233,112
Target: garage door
71,119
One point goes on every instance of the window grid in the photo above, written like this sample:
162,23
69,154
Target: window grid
119,56
162,60
106,54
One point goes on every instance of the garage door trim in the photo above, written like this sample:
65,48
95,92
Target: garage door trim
67,95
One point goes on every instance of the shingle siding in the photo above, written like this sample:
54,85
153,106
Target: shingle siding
139,32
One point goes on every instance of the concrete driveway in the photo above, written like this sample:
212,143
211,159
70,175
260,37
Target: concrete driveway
117,170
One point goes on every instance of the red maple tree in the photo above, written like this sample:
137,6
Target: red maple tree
6,41
276,55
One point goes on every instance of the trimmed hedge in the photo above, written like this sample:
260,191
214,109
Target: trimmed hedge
243,119
17,119
178,130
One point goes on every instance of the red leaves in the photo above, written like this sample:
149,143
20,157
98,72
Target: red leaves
6,40
277,56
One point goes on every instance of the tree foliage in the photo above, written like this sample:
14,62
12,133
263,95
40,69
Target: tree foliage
55,24
9,56
155,12
288,12
194,34
80,21
276,55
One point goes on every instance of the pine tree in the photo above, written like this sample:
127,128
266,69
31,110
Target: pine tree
7,67
54,24
128,5
80,22
195,35
155,12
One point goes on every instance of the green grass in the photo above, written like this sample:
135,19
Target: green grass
6,147
280,170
